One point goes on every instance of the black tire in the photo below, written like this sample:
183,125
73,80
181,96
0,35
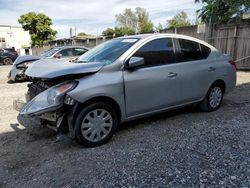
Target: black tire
7,61
79,119
205,105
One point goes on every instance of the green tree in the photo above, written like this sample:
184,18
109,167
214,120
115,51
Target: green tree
159,27
136,21
128,19
124,31
39,27
222,11
82,34
180,20
145,25
118,32
109,32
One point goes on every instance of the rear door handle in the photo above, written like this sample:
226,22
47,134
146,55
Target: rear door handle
172,75
211,69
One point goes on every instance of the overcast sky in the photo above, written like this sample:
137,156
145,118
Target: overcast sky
91,16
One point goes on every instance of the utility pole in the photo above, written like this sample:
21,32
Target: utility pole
70,32
96,42
210,26
75,30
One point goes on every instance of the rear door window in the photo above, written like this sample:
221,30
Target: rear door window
157,52
191,51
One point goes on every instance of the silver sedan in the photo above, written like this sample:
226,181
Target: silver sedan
125,79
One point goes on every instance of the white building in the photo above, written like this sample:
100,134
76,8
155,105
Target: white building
12,36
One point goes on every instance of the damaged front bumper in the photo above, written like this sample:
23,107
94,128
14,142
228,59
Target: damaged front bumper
52,105
60,119
52,119
18,104
55,120
17,74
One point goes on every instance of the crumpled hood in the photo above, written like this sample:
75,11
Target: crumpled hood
48,68
25,58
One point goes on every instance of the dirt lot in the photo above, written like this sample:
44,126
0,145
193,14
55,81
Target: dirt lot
181,148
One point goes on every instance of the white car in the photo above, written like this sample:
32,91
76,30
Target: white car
17,72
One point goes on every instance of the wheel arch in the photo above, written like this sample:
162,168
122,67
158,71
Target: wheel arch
218,81
221,83
108,100
204,103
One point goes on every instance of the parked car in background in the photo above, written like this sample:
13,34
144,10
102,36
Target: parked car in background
17,73
125,79
7,56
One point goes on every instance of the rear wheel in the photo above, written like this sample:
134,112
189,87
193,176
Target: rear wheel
213,98
7,61
96,124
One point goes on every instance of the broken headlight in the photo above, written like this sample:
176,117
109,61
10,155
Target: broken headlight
49,99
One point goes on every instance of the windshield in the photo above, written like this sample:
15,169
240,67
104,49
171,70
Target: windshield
50,52
109,51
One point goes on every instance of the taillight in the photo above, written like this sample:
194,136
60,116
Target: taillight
232,63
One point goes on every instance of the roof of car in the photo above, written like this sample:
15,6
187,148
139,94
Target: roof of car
63,47
156,35
141,36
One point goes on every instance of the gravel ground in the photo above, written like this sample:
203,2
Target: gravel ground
181,148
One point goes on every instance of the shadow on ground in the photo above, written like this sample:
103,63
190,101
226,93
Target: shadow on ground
180,148
240,96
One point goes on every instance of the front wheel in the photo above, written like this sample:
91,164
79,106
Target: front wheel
96,124
213,99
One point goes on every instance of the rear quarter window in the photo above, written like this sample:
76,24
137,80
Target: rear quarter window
205,51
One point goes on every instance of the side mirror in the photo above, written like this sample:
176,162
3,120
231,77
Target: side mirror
57,56
135,62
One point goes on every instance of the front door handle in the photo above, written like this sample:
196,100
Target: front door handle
172,75
211,69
